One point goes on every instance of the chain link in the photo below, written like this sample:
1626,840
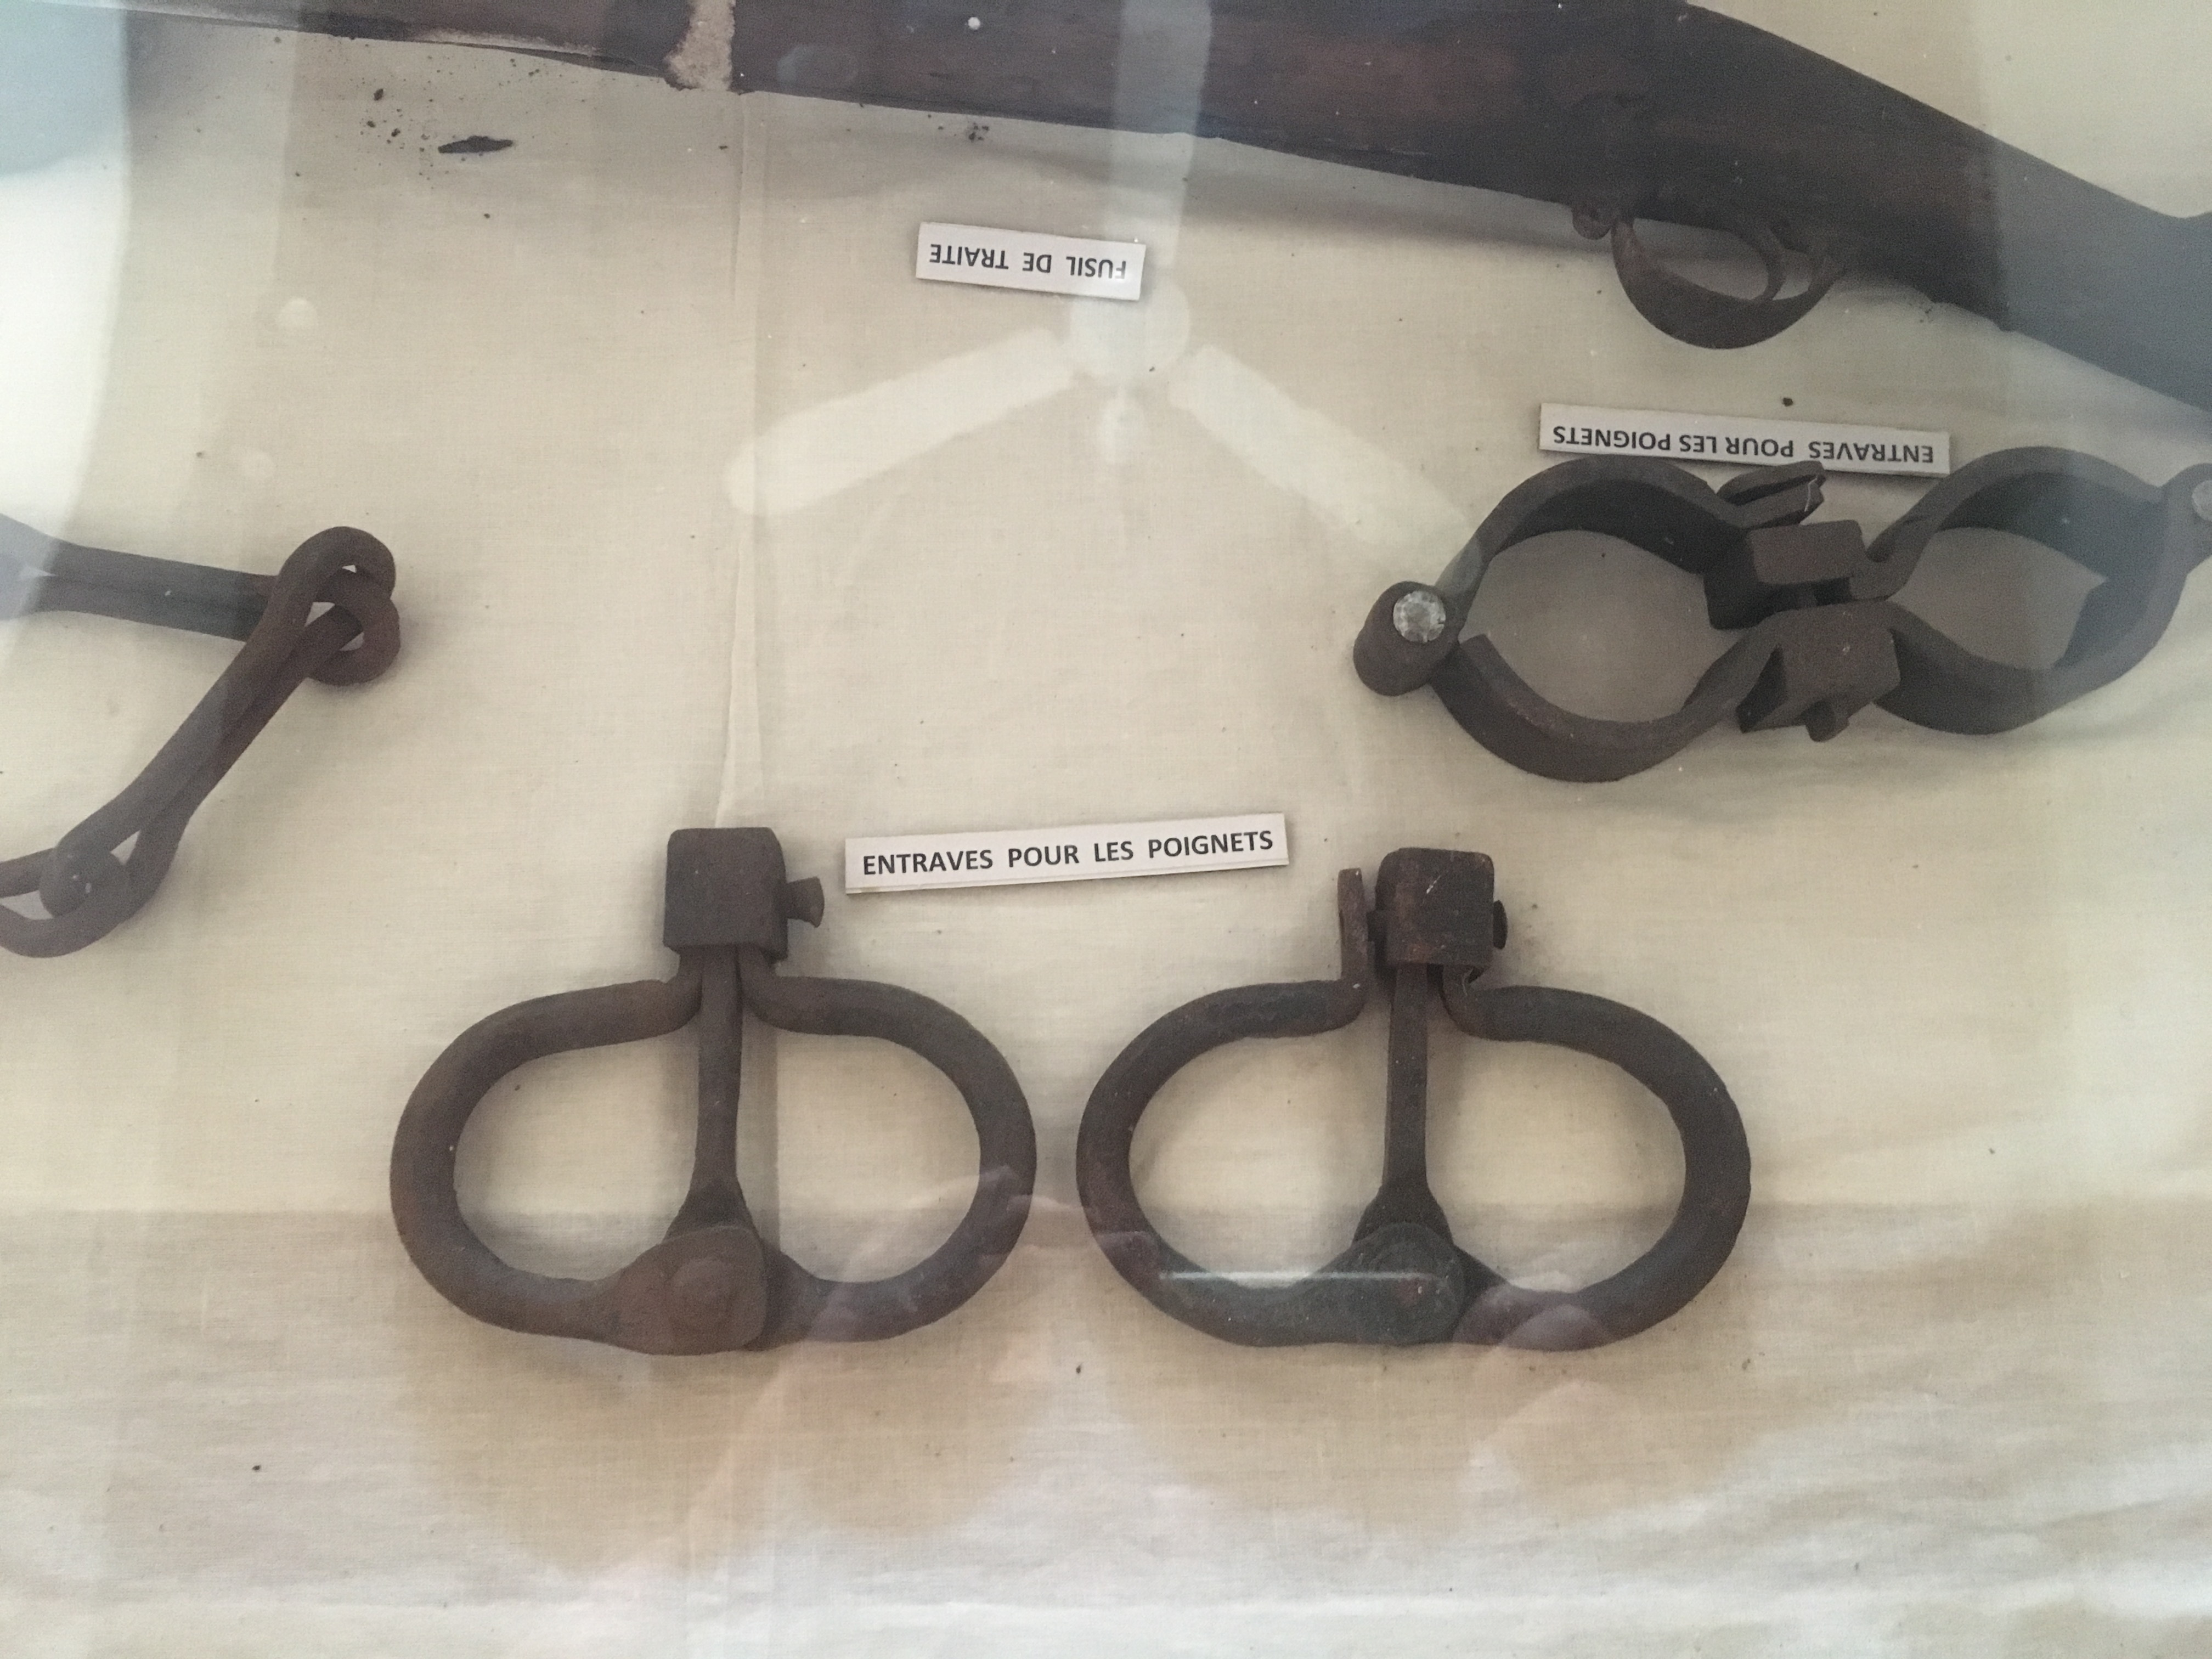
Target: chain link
327,615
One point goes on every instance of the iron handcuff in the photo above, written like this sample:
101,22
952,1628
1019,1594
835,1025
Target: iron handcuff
1403,1282
713,1284
1821,635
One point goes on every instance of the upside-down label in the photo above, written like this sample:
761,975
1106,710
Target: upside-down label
1090,852
1031,259
1740,440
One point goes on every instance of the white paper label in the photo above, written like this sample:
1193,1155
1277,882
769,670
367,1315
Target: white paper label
1091,851
1733,441
1028,259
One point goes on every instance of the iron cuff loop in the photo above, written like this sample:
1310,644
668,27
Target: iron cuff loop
1821,634
1403,1282
87,889
713,1284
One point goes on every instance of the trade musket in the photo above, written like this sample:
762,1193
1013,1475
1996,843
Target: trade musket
1620,111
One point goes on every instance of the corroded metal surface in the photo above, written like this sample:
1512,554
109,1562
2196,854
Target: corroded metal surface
713,1284
1617,110
1403,1282
1823,635
86,886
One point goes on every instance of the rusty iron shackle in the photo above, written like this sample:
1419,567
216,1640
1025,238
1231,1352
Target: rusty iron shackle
713,1284
1821,634
87,889
1403,1282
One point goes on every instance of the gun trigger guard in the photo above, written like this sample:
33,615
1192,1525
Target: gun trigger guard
1700,316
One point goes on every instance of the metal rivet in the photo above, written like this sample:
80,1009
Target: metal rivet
2201,499
703,1290
1420,617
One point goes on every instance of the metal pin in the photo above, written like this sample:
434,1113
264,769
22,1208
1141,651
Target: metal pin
1420,617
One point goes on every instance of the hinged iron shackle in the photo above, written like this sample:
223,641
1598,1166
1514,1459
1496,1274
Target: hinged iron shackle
327,615
1403,1282
1821,634
713,1284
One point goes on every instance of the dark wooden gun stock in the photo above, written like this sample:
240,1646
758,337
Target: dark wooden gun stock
1618,110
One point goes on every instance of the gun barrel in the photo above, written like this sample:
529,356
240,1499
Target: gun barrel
1617,109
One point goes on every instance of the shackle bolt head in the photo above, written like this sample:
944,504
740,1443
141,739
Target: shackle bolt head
726,887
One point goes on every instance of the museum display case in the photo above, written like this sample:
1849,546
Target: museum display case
939,464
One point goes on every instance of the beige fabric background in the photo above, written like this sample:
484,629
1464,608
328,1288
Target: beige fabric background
706,511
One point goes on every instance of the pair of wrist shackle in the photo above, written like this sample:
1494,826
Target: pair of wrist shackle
1819,634
716,1284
